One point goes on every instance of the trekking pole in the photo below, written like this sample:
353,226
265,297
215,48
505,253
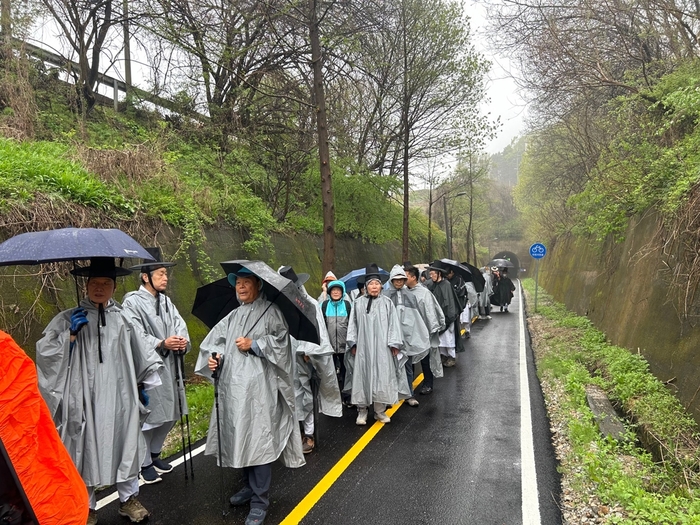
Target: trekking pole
314,395
215,375
187,418
182,426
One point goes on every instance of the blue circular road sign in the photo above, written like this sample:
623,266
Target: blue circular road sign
538,250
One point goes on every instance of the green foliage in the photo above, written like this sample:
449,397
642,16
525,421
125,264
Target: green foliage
623,473
649,157
366,207
200,400
30,167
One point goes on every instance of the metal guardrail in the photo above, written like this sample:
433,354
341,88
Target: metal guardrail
106,80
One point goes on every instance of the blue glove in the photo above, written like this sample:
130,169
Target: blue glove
143,396
77,320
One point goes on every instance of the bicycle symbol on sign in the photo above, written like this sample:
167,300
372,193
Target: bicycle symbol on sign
538,250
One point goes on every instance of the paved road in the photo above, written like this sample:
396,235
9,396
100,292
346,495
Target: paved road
461,457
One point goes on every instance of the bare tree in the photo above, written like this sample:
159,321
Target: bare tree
424,78
86,26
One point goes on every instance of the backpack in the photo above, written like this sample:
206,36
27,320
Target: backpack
348,307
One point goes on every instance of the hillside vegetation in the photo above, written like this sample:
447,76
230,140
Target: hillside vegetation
133,168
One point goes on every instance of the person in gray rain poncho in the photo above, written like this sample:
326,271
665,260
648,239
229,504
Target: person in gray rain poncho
485,297
434,320
93,365
471,310
416,338
446,298
165,331
374,339
256,392
313,359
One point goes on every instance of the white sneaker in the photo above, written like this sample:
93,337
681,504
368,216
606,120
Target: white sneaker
361,416
412,401
382,417
488,317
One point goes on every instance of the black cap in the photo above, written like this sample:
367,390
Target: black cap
372,271
438,266
149,266
289,273
101,267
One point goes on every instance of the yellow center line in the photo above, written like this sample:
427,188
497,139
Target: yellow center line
305,505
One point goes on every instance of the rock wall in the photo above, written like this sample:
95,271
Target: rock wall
623,289
28,303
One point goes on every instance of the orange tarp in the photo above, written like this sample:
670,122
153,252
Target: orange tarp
46,472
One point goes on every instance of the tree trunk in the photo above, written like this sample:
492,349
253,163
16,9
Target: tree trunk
323,150
470,233
406,153
430,224
127,52
5,31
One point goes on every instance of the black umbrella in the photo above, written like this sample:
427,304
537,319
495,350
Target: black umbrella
501,263
477,277
69,244
216,300
464,272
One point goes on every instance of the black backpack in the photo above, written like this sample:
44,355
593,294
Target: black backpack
348,307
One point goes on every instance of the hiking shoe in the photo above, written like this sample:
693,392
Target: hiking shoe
450,362
161,466
361,417
412,401
307,444
92,517
382,417
255,517
426,390
241,497
133,510
149,475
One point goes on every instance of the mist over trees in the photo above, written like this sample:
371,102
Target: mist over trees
611,91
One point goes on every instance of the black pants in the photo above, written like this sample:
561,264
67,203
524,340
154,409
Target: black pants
258,478
427,372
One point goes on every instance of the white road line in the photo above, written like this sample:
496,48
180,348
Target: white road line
115,495
528,476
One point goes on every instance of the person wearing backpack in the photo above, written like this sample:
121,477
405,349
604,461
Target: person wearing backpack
336,313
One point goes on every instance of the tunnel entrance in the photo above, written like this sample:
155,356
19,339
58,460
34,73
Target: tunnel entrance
515,271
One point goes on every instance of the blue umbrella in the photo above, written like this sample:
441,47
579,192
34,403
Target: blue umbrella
350,278
69,244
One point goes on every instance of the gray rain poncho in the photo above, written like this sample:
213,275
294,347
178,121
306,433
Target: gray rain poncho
321,358
416,338
434,319
158,325
484,297
256,394
96,405
377,376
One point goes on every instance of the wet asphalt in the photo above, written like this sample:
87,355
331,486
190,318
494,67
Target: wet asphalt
455,459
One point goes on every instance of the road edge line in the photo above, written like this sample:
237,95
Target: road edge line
528,473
